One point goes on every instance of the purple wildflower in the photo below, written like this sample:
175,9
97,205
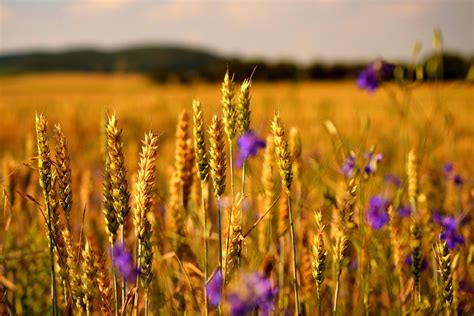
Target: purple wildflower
353,264
376,213
249,144
254,291
372,162
437,217
348,167
409,262
214,287
393,179
457,180
404,210
449,233
448,168
124,262
465,287
371,77
452,238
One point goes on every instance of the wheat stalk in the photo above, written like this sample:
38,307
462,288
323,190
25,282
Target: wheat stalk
45,180
143,203
284,163
117,177
202,165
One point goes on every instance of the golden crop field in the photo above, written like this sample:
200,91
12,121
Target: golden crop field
426,124
439,114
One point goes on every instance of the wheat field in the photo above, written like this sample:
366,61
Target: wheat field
297,233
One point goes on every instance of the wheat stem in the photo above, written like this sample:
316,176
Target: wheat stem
293,245
219,228
318,296
124,286
146,303
206,250
114,273
336,293
54,306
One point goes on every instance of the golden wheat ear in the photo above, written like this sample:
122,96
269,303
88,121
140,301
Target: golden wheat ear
63,170
228,107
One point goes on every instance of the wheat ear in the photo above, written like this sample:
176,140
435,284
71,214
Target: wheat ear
63,170
446,272
319,256
232,260
217,170
184,157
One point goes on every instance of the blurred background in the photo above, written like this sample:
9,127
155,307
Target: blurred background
189,41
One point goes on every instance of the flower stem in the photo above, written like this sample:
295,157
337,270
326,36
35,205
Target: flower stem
293,244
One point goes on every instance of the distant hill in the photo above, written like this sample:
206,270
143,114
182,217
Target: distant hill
146,59
182,64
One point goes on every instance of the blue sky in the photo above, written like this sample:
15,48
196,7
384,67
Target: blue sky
301,30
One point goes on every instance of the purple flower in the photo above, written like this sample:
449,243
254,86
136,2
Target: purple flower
123,261
404,210
391,178
448,168
214,287
409,262
353,264
249,144
371,77
465,287
458,180
372,162
254,291
376,213
452,238
348,167
437,217
449,233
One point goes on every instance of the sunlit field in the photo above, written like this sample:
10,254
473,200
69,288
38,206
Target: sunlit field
374,194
